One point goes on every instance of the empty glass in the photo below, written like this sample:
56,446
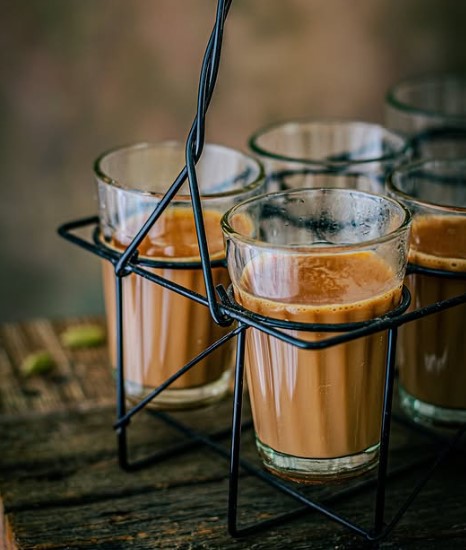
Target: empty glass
430,110
293,152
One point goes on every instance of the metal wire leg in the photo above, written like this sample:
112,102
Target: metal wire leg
121,398
385,433
236,434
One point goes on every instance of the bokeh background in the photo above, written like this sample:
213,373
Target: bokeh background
78,77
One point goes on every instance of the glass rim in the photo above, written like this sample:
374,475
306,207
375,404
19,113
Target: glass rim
406,168
436,78
405,145
229,232
100,173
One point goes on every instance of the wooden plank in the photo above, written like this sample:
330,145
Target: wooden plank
66,491
61,487
81,377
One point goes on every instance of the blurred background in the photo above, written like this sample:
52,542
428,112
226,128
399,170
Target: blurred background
82,76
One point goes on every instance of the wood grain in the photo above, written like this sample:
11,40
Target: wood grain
82,378
61,487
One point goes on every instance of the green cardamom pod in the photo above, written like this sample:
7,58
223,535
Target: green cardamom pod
83,336
40,362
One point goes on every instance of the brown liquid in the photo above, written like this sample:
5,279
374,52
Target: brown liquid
432,350
318,404
163,330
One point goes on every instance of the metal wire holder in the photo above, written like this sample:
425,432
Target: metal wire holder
224,311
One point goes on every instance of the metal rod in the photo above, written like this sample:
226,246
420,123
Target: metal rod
268,325
154,393
385,432
120,377
192,441
194,145
439,460
236,434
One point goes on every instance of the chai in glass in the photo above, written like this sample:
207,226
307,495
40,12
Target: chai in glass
432,349
317,256
162,330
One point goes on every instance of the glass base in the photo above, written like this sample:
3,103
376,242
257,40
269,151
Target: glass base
317,470
181,398
428,414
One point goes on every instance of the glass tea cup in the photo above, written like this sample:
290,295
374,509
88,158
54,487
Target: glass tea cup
317,256
163,330
432,350
430,111
293,152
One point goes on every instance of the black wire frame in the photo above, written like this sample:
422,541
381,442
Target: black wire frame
224,312
244,321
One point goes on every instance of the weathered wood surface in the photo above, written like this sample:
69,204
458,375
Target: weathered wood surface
61,487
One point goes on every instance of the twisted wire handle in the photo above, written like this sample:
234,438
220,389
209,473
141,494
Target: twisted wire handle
193,151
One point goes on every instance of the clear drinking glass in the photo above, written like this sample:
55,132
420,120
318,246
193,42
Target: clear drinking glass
317,256
432,350
163,330
293,152
430,110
